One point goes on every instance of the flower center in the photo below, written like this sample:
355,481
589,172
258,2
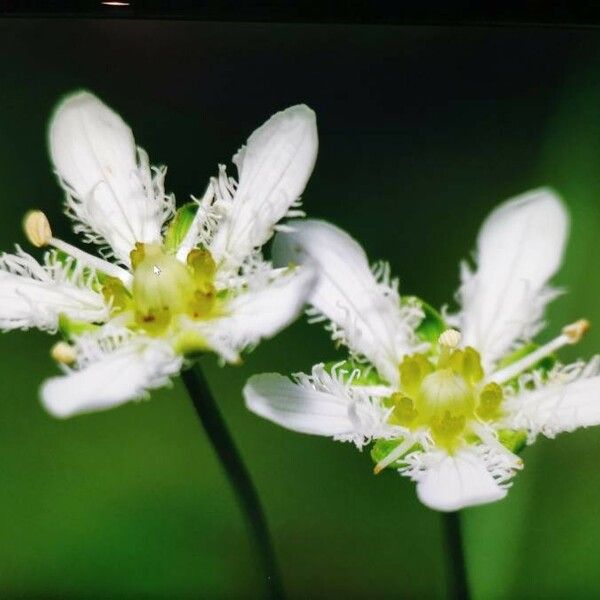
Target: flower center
164,288
443,393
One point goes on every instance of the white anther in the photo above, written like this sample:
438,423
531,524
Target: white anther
450,338
63,353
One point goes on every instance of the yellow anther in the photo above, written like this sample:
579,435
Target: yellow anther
465,363
410,374
154,321
575,331
404,412
202,304
37,228
63,353
116,293
454,361
450,338
202,264
472,369
412,371
490,399
447,428
137,254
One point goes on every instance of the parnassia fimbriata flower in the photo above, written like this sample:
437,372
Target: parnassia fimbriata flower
170,283
448,401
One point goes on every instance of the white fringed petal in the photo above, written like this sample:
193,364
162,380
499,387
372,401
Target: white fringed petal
111,192
366,313
258,313
318,404
519,248
273,168
448,483
123,374
556,407
34,295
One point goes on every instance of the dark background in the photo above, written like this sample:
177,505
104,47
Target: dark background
423,130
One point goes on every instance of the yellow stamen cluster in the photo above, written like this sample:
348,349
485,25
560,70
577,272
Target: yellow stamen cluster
444,393
164,288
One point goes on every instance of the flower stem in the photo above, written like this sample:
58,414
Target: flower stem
237,473
459,587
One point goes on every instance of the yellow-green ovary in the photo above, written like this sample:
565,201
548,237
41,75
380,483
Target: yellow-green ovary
165,288
445,397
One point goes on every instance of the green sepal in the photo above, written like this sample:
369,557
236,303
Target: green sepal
432,325
515,441
368,374
190,344
69,327
179,226
382,448
545,364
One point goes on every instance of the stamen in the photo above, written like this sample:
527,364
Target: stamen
190,237
488,438
39,233
63,353
37,228
93,262
571,334
575,331
396,453
450,338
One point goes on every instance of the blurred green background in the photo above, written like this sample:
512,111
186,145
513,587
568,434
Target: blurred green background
422,130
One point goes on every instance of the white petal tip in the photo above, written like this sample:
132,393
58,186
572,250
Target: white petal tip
451,483
545,199
50,398
520,247
300,111
458,504
79,99
258,387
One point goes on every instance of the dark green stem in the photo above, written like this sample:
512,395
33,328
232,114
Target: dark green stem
237,473
459,586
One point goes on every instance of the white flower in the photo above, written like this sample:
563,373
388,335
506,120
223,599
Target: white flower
448,408
170,283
